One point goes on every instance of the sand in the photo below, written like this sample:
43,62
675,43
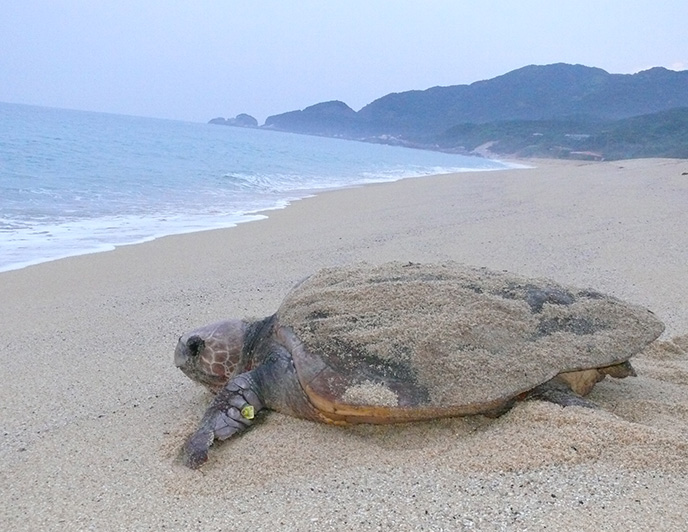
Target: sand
93,410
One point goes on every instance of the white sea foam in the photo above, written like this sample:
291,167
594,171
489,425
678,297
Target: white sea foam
74,183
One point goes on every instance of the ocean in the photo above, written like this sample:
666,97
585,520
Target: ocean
75,182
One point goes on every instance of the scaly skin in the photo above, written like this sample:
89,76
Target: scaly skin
272,384
226,416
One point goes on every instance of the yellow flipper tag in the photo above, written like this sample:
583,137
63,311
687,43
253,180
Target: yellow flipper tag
247,412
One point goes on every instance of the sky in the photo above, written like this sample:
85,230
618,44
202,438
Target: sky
196,60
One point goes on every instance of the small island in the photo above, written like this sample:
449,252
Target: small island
240,120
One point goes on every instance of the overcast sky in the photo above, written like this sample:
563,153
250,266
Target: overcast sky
194,60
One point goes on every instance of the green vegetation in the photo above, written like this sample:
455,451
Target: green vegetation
560,110
663,134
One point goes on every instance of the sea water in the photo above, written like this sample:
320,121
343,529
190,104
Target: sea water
74,182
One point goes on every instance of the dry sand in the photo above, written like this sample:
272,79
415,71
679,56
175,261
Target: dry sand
93,411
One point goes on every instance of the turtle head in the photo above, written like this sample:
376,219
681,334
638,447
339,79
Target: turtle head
213,354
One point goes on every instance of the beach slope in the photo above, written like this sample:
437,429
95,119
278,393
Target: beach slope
94,412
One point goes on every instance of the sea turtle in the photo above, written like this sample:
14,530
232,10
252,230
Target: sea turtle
403,342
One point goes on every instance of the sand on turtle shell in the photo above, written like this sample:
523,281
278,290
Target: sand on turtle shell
370,393
462,335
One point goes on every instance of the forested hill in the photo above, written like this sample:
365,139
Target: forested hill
535,103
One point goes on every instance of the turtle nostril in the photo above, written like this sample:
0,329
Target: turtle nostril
195,345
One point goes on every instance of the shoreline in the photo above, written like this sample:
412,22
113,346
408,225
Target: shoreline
237,218
94,410
473,183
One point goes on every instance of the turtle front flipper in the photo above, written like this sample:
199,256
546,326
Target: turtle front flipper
232,411
272,385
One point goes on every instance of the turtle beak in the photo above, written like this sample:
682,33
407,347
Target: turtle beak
187,348
180,353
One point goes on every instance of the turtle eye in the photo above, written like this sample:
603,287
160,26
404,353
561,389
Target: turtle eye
195,344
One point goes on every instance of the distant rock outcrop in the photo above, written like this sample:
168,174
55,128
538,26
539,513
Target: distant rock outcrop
332,119
240,120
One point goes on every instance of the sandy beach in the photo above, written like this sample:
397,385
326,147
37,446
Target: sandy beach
94,412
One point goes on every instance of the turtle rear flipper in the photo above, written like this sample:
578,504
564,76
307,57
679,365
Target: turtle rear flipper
559,392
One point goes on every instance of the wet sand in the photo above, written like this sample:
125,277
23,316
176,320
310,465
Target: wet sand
94,412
